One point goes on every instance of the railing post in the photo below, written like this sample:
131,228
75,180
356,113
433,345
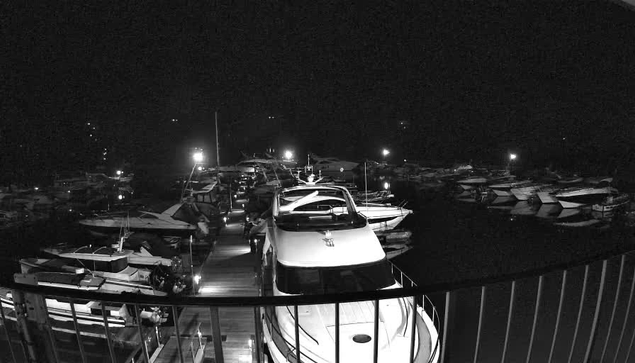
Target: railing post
617,296
535,322
217,338
628,310
446,321
563,286
596,315
177,332
144,349
24,327
413,324
376,333
77,332
104,317
512,297
6,331
337,332
297,332
481,312
577,324
258,338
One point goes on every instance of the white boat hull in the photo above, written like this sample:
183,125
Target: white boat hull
546,198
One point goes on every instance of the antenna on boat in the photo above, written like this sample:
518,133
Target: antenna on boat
365,183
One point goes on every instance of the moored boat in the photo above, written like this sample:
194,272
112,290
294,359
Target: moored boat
612,203
318,245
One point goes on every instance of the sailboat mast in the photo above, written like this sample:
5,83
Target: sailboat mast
217,148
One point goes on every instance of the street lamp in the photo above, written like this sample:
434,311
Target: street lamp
198,157
385,152
288,154
512,157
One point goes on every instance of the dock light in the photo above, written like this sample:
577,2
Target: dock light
512,157
225,219
197,279
197,156
36,188
386,185
200,168
385,152
119,172
288,154
120,197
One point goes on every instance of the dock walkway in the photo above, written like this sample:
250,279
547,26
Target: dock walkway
229,270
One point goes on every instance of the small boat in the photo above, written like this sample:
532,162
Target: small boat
524,192
612,203
582,196
504,189
472,182
383,217
182,219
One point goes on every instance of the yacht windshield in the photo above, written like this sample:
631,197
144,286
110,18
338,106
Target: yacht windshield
330,280
316,209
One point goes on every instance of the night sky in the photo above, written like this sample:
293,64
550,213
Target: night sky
552,80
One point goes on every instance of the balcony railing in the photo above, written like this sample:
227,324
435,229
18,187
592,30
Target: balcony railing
572,313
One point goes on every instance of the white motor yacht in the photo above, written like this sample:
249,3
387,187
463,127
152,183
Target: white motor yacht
182,219
331,164
504,189
524,192
317,243
582,196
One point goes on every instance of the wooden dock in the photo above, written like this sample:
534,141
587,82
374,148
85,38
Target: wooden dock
229,270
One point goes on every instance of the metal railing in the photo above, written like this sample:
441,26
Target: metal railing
572,313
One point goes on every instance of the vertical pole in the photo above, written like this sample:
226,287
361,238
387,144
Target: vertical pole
217,147
104,317
555,329
577,324
376,333
77,332
536,310
596,315
217,339
413,323
258,338
192,262
175,317
512,297
297,333
366,184
617,296
28,344
628,311
6,331
144,348
337,332
481,312
446,323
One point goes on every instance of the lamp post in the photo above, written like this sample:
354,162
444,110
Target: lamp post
385,153
512,157
198,158
288,155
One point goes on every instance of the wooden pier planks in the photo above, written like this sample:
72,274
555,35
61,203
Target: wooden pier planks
228,271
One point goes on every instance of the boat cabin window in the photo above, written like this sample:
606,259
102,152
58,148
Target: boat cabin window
106,266
147,216
329,280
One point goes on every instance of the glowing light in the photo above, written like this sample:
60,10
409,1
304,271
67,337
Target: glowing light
200,168
225,219
197,156
288,154
36,188
341,170
386,185
385,152
197,279
512,157
120,197
119,172
404,160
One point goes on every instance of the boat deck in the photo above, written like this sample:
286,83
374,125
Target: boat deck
229,270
